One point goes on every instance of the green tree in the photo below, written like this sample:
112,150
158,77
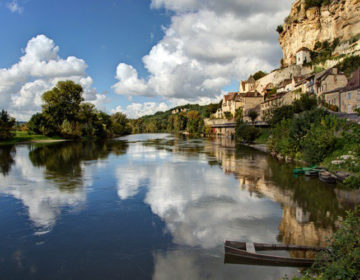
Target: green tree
120,125
259,74
253,115
62,103
6,125
194,123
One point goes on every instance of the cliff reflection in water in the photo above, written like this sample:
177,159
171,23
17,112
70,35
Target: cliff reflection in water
311,210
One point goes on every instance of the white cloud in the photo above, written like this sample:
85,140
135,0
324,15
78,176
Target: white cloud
14,7
37,71
136,110
208,44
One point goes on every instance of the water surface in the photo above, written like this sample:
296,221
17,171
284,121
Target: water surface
152,207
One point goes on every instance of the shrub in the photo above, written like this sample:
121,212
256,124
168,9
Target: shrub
280,29
228,115
259,74
349,65
245,132
353,182
343,256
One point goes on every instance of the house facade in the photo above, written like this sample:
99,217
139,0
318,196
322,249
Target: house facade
303,55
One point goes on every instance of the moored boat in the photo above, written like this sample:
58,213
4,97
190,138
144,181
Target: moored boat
245,253
327,177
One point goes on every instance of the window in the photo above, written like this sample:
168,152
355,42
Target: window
358,96
348,96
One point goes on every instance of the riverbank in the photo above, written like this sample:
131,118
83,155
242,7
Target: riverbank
24,137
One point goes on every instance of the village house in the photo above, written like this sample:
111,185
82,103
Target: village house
248,86
270,103
325,81
346,98
303,56
350,95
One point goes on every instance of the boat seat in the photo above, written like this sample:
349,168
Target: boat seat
250,247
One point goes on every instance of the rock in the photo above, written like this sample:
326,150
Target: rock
340,20
337,162
346,157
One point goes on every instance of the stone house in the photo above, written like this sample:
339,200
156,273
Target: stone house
248,86
325,81
350,96
249,101
303,55
270,103
178,110
230,104
346,98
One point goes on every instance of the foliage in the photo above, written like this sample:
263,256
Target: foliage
353,182
63,114
259,74
245,132
349,65
315,3
343,256
239,114
228,115
253,115
280,29
194,124
6,125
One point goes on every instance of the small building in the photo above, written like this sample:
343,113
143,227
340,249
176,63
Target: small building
270,103
325,81
303,55
350,95
248,86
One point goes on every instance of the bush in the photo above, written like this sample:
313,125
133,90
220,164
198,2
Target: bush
259,74
228,115
6,125
343,256
245,132
353,182
349,65
280,29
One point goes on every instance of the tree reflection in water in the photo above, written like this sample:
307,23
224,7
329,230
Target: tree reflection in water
63,161
7,154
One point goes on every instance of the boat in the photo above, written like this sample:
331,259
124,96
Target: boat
327,177
245,253
303,170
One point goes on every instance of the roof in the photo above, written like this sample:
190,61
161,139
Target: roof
250,94
303,49
230,96
334,90
273,97
251,80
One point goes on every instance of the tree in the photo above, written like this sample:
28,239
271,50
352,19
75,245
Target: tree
253,115
259,74
120,124
6,125
62,103
194,123
280,29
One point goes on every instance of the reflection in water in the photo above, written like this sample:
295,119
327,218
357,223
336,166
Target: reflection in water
6,158
153,205
43,177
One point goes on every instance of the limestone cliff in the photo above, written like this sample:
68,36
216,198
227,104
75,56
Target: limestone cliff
304,27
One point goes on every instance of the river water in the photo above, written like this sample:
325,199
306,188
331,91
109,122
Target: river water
153,206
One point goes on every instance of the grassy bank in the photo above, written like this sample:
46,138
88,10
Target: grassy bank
24,136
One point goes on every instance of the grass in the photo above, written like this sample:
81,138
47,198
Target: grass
24,136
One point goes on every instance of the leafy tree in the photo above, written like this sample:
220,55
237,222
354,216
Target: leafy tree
259,74
253,115
6,125
245,132
194,124
120,124
62,103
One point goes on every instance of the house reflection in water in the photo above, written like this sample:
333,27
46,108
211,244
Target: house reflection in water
305,220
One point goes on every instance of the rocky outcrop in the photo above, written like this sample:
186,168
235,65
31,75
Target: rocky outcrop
304,27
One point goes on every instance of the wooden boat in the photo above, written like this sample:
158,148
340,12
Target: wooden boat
245,253
327,177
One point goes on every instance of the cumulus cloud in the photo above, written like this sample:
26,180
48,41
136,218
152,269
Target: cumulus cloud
37,71
14,7
208,44
136,110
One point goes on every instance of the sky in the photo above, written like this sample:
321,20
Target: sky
134,56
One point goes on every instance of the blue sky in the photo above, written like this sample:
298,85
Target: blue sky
186,57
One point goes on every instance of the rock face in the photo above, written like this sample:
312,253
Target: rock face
303,28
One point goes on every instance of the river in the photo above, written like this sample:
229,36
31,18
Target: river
153,206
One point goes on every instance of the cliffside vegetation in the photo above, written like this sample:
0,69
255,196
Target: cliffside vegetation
316,3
